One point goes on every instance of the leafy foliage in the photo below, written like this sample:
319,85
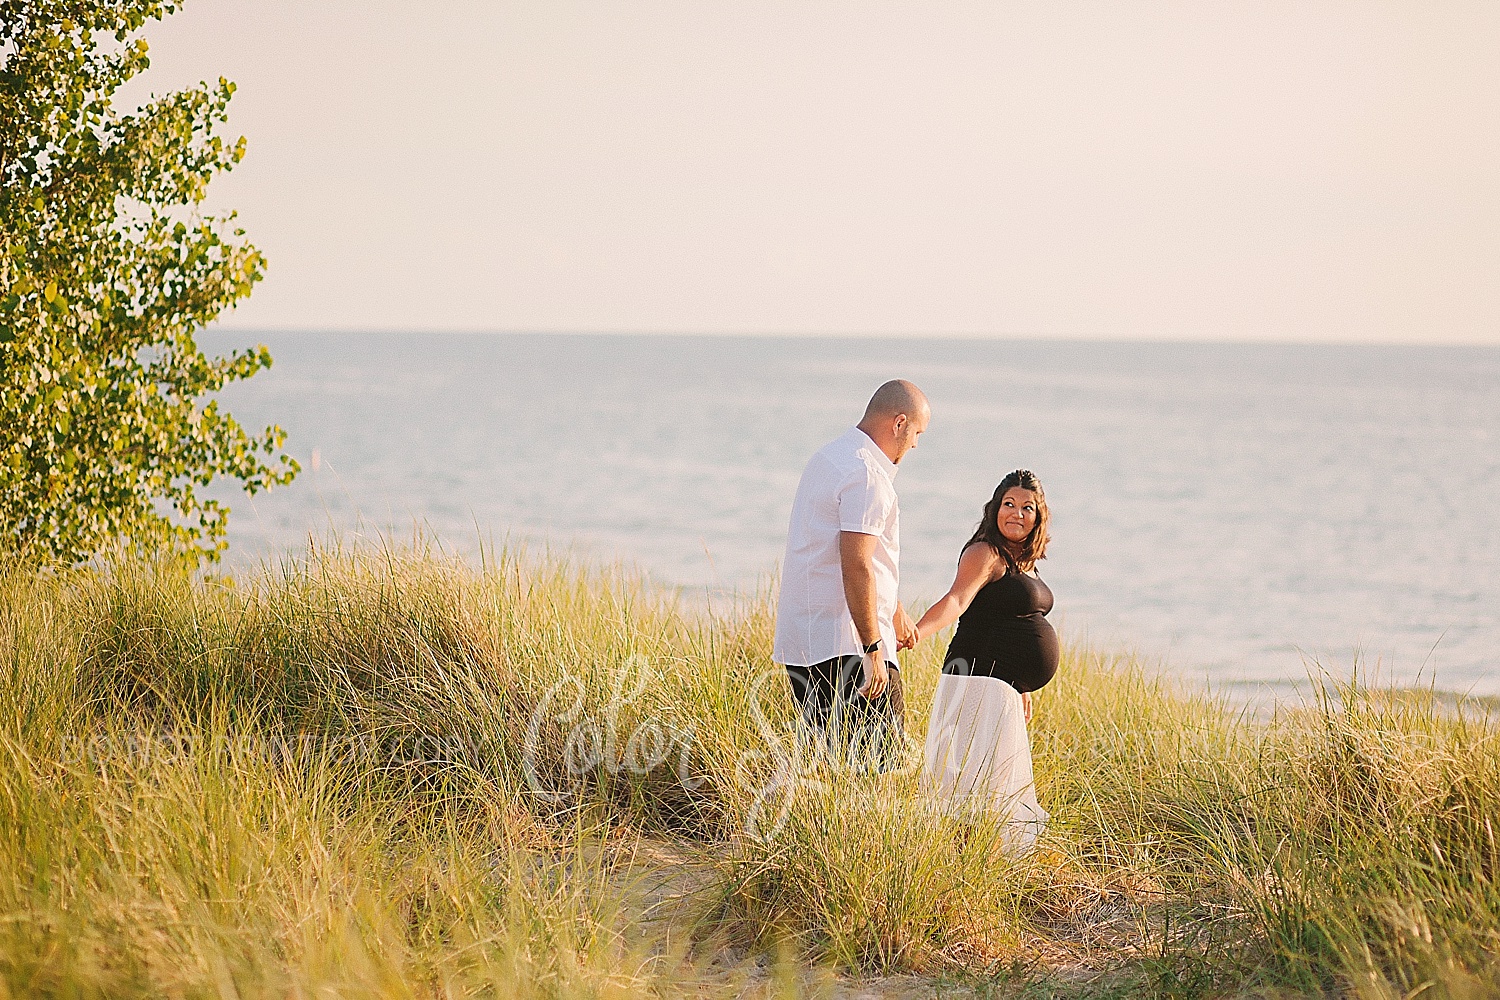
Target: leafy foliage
107,267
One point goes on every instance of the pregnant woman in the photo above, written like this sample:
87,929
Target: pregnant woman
978,754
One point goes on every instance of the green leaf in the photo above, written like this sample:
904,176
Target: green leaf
107,411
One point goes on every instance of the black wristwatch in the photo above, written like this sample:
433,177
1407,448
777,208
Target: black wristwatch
872,647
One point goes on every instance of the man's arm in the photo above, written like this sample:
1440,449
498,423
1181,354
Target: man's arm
857,561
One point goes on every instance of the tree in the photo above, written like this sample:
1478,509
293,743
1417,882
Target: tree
107,268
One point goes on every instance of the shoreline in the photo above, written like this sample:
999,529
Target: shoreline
1262,697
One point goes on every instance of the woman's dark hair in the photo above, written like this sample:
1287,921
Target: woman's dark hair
1025,555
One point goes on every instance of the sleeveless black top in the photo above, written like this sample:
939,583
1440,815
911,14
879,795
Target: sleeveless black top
1005,633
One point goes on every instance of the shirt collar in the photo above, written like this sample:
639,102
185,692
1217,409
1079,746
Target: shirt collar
863,440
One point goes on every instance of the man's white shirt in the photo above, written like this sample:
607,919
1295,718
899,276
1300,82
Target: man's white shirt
847,486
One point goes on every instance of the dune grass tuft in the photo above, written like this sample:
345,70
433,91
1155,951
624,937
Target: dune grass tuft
379,771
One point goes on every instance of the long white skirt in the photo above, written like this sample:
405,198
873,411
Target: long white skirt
978,756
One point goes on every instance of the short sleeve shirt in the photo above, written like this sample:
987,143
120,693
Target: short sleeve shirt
847,486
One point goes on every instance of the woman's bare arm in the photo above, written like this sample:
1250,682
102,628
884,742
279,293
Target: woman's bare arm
976,567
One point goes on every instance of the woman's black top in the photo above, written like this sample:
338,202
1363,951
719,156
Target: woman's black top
1005,633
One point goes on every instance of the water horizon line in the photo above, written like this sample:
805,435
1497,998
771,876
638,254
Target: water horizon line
220,329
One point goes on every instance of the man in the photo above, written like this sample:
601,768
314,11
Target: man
838,622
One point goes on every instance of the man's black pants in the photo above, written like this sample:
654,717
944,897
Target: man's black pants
862,732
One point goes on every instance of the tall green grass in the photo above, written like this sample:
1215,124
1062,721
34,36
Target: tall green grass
381,771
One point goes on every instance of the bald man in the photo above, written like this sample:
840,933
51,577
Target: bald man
838,621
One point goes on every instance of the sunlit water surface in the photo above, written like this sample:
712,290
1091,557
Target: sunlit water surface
1239,514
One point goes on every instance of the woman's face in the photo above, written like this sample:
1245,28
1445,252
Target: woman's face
1017,514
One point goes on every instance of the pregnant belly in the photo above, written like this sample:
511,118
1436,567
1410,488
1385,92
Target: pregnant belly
1023,652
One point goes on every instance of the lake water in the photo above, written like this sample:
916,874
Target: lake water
1237,513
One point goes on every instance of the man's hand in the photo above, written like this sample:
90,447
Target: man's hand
876,675
1026,705
906,630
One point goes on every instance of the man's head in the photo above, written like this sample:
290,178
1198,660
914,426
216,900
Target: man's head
897,413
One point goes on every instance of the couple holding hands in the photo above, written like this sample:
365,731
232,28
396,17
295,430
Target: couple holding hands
839,624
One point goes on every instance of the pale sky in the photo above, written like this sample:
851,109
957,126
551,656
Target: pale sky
1304,171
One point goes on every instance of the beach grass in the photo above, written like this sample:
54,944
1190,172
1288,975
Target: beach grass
379,770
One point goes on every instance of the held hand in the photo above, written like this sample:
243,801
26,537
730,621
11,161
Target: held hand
1026,705
907,635
876,676
910,640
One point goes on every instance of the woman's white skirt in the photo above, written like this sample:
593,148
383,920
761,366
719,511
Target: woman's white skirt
978,757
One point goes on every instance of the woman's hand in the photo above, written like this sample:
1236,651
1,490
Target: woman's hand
1026,705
